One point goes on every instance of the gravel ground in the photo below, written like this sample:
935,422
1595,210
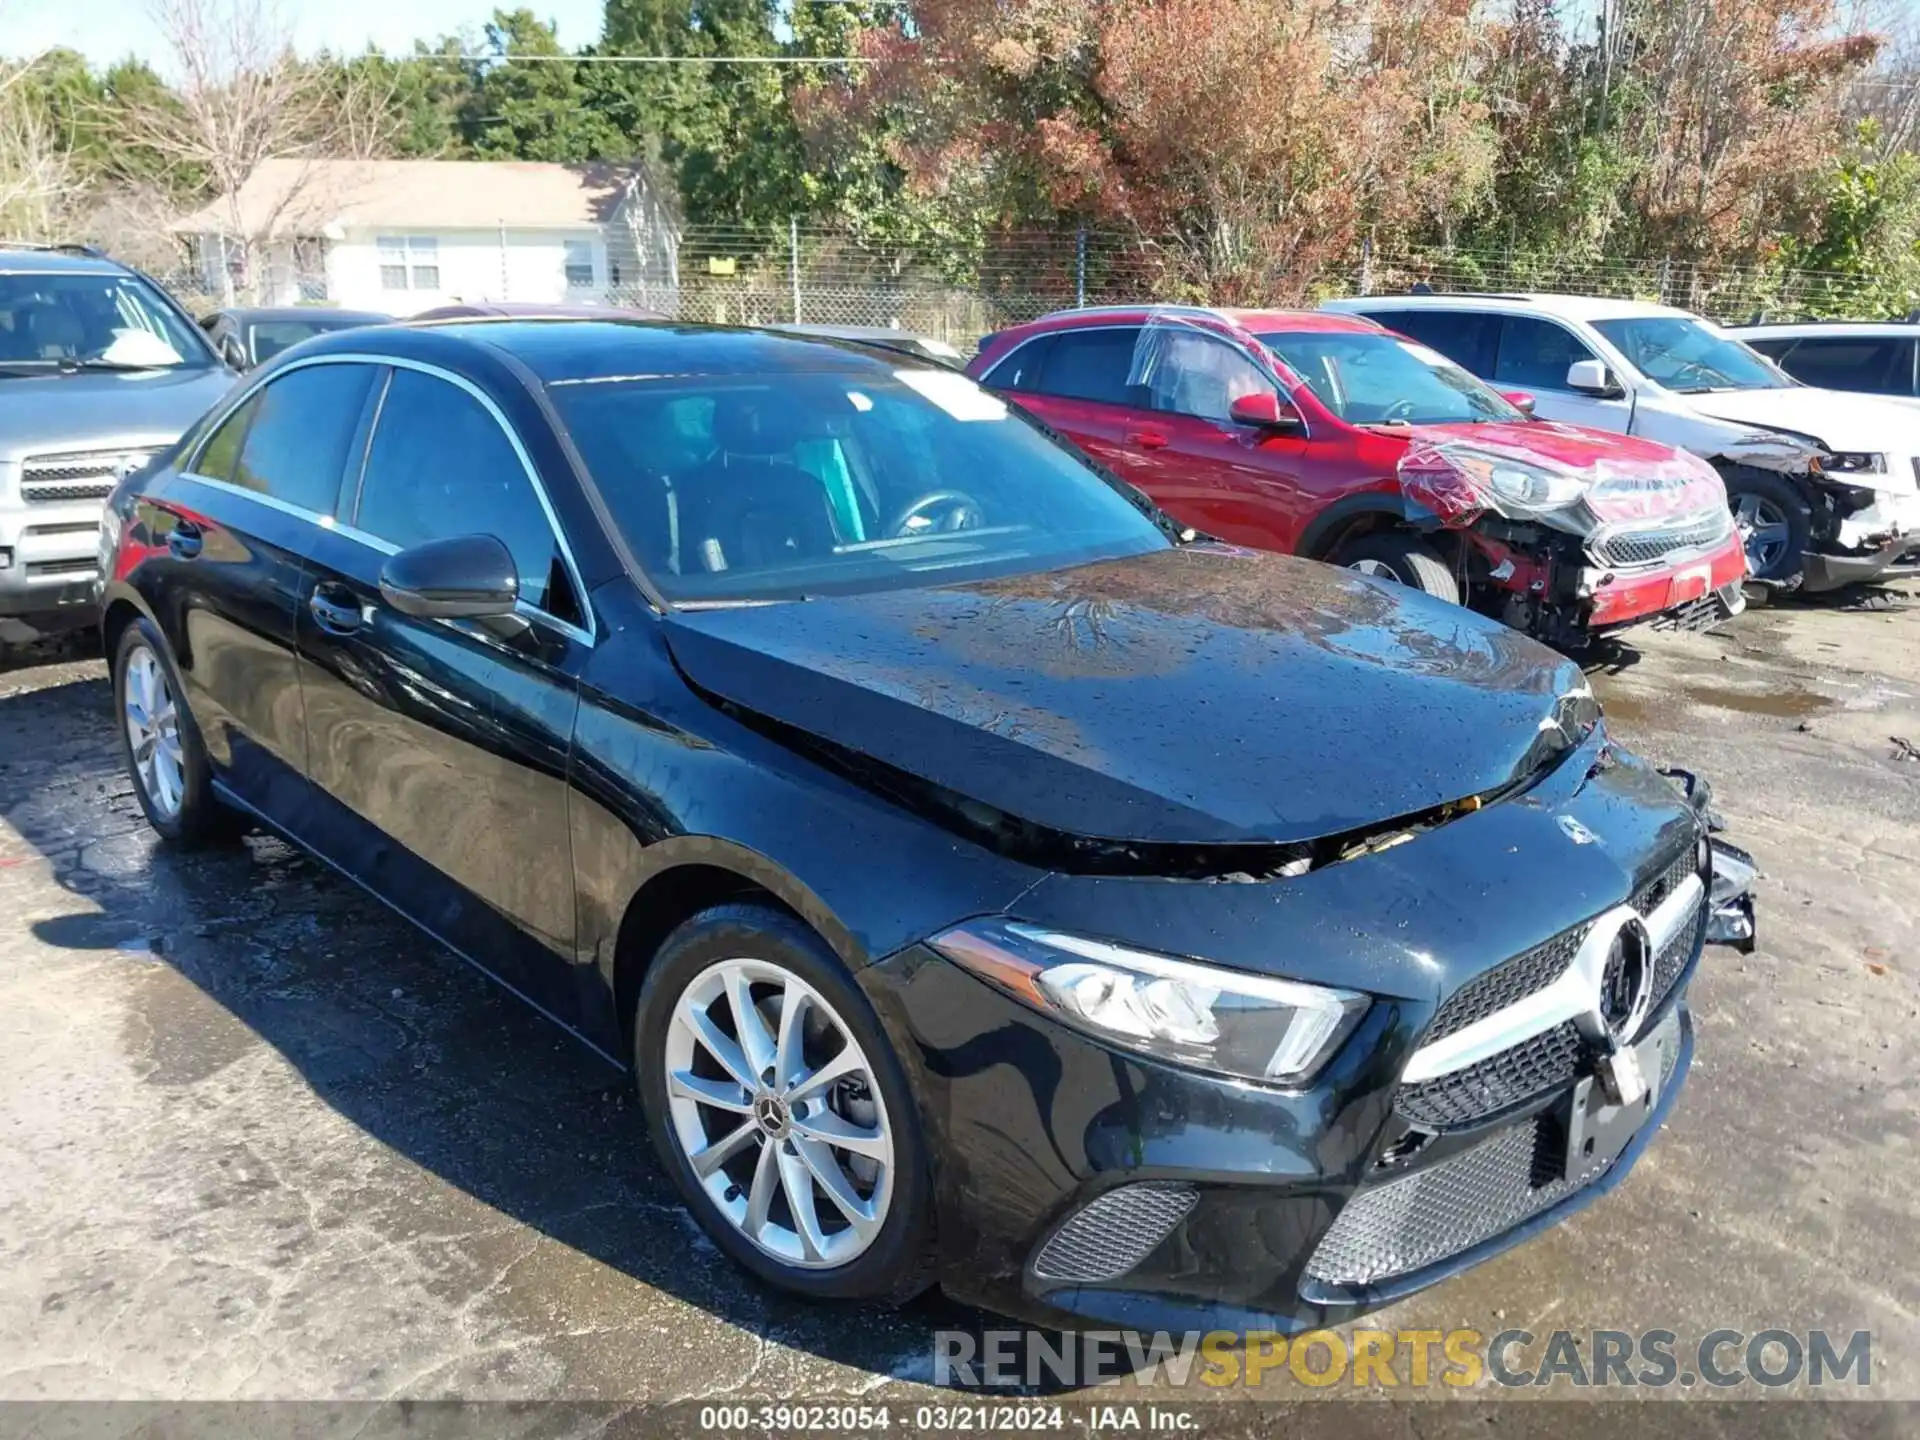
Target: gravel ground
259,1139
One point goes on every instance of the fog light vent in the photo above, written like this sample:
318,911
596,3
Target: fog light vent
1111,1235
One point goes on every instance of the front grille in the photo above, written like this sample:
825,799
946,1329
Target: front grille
1535,1066
1541,1063
1506,983
1451,1206
1633,548
79,475
65,527
87,566
1114,1233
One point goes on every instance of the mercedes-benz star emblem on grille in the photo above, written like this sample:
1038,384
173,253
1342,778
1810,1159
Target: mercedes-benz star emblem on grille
1622,998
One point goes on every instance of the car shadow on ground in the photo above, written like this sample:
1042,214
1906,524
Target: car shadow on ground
391,1031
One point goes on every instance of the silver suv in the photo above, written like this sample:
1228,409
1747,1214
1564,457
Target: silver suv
100,370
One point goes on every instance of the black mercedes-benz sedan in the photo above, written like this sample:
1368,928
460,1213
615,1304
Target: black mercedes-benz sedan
986,881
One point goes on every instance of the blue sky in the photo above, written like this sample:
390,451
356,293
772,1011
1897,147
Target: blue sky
106,30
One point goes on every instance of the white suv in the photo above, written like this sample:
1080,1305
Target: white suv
1825,485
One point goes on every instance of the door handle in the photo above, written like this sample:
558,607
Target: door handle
184,540
333,615
1147,439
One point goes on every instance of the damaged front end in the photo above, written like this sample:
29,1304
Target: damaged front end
1571,552
1862,518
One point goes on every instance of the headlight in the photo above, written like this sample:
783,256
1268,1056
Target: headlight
1249,1027
1531,488
1854,462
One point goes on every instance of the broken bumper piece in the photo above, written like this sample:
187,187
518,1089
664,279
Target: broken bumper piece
1881,542
1730,916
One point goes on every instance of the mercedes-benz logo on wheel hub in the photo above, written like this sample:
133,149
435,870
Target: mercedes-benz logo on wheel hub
772,1114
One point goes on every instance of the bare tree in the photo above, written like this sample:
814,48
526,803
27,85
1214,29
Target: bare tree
243,97
36,169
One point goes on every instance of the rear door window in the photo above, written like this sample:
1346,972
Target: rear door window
1021,369
221,454
297,447
1469,338
1537,353
1092,365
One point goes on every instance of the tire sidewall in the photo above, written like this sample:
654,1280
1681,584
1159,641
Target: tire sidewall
893,1268
199,810
1396,553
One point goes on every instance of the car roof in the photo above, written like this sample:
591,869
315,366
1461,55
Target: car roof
23,260
558,349
1839,329
1565,307
1251,320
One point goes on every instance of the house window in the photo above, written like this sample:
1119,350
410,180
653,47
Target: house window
579,263
409,262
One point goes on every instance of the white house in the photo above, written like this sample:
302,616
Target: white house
401,236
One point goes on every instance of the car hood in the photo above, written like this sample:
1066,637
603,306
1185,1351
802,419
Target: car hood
1203,695
1838,420
87,411
1572,447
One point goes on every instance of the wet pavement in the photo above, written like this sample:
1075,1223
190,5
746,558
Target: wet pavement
259,1139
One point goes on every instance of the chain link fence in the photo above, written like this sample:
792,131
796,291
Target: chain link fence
960,292
829,277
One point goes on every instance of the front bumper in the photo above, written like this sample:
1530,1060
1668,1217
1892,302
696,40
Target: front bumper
1631,596
49,563
1055,1149
1881,542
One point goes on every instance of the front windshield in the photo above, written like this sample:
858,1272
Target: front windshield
733,488
1377,379
270,337
66,319
1683,354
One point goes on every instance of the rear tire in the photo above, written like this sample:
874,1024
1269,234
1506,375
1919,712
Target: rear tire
748,1133
1774,523
166,759
1404,559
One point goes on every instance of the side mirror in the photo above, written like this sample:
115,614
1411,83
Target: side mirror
1521,400
465,577
233,354
1265,410
1591,377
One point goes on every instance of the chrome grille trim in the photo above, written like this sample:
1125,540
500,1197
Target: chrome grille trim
1630,549
1569,997
74,475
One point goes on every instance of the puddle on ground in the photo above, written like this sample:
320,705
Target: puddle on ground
1782,704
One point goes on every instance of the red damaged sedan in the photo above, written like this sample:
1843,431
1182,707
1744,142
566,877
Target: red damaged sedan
1327,436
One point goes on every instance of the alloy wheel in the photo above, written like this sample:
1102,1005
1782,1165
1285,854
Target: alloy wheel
776,1107
1763,531
153,732
1379,568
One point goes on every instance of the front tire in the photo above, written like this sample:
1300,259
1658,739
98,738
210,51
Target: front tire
172,777
1774,524
1404,559
780,1110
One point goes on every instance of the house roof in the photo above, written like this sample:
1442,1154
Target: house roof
295,197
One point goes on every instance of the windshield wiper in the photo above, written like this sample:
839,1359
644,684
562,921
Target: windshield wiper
69,367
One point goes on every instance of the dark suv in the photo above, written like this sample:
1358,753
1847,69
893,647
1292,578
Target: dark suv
99,369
